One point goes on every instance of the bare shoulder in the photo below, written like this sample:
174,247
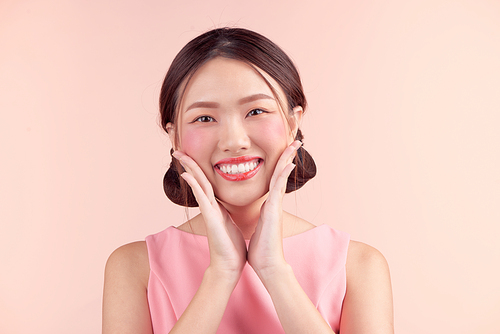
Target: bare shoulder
125,305
367,304
130,261
362,257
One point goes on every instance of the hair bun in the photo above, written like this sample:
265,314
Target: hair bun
305,169
176,189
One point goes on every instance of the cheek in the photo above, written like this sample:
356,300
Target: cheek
194,143
273,137
275,132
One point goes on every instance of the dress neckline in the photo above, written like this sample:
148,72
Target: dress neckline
309,231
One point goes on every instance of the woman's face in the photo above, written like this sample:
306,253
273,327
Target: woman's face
230,123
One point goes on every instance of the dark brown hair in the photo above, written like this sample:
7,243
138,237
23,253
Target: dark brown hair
246,46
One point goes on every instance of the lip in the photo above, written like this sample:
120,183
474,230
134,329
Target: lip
236,161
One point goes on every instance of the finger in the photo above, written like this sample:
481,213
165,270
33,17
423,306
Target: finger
200,195
285,159
212,216
277,192
193,169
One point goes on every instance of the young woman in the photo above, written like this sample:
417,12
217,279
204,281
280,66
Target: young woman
232,103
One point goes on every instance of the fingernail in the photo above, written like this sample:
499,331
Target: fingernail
179,157
176,155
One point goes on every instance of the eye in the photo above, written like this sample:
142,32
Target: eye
204,119
255,112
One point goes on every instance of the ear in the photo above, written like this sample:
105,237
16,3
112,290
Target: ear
296,120
171,133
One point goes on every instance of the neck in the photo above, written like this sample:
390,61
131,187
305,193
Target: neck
246,217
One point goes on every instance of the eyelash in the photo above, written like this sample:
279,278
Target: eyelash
204,116
199,119
262,111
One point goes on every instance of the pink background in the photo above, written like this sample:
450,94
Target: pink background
404,124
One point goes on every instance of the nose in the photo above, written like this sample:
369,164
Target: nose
233,136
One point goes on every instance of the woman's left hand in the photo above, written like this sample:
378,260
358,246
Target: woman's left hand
265,251
296,312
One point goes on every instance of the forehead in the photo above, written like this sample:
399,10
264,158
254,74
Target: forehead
225,80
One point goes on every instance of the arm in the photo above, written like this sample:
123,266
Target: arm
367,305
204,312
125,304
227,257
296,312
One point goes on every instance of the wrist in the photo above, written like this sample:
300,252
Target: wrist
275,274
226,278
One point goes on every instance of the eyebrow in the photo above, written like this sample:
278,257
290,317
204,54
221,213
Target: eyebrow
254,97
244,100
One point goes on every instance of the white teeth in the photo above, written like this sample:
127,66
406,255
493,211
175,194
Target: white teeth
240,168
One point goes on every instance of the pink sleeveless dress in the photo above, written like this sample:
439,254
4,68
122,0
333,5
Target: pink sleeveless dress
178,261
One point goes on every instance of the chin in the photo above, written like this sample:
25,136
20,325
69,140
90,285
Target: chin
242,200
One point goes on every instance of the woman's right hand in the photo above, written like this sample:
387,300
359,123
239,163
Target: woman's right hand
227,246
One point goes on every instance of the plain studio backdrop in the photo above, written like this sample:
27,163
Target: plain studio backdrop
403,122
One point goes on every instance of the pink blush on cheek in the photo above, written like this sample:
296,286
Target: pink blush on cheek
275,131
196,145
192,141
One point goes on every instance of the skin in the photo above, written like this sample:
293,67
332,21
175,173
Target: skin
228,110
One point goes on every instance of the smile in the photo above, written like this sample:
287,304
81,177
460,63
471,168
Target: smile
238,169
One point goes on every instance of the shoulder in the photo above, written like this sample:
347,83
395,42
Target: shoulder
366,266
130,262
368,301
125,305
362,257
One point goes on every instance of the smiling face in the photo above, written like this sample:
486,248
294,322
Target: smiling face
231,124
